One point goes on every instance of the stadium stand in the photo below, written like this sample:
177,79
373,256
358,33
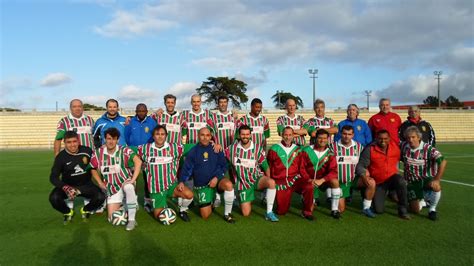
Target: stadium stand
37,129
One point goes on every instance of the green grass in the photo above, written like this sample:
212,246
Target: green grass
32,232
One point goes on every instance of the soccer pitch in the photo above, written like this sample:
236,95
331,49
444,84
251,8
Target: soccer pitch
32,232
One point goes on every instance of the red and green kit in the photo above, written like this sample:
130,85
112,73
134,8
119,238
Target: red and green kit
161,165
82,126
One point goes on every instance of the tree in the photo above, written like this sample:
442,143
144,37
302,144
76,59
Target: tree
452,101
432,101
279,98
88,107
223,86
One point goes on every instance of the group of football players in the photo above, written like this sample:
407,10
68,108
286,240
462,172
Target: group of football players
205,156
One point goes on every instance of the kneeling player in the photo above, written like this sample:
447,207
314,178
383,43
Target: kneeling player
347,152
284,160
246,159
424,168
114,163
207,168
72,164
161,165
318,165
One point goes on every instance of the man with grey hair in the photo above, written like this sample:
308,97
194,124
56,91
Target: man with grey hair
424,167
414,119
320,121
362,133
75,121
385,119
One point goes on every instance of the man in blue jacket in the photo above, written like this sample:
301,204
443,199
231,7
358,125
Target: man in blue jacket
138,131
362,133
111,118
207,169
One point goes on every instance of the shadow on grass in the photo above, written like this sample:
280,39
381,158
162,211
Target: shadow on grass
78,251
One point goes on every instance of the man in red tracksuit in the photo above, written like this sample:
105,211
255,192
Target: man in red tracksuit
319,166
284,161
386,120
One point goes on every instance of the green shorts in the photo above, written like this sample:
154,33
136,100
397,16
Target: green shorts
205,195
248,195
415,189
158,200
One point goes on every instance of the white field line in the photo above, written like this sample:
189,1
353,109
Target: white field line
457,183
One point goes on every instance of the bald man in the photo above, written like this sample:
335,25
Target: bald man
75,121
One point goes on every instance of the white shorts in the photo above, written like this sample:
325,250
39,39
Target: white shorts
117,197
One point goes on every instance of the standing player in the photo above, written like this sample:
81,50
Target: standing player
414,119
247,160
284,160
172,119
111,118
347,153
196,118
138,132
424,168
222,123
318,165
320,121
258,123
116,178
207,168
72,164
362,133
161,166
290,119
75,121
387,120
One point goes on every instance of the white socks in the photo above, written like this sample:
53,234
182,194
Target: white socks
228,201
183,204
434,199
366,204
131,200
336,194
271,194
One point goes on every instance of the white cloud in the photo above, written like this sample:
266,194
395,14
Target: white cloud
97,100
55,79
128,24
132,94
415,89
395,34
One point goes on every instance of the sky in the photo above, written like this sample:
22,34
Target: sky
138,51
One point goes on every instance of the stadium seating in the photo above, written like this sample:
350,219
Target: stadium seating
37,130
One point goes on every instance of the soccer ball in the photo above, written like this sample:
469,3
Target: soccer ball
167,216
119,217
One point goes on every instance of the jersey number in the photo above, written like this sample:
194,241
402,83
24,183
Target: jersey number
242,196
202,197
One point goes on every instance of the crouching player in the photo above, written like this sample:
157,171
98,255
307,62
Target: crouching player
424,168
114,163
247,158
207,168
161,165
284,160
318,165
72,164
347,152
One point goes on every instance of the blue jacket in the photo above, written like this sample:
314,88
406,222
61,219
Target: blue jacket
103,123
203,164
139,132
362,133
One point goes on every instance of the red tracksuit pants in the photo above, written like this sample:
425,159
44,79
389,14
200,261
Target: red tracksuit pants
303,187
